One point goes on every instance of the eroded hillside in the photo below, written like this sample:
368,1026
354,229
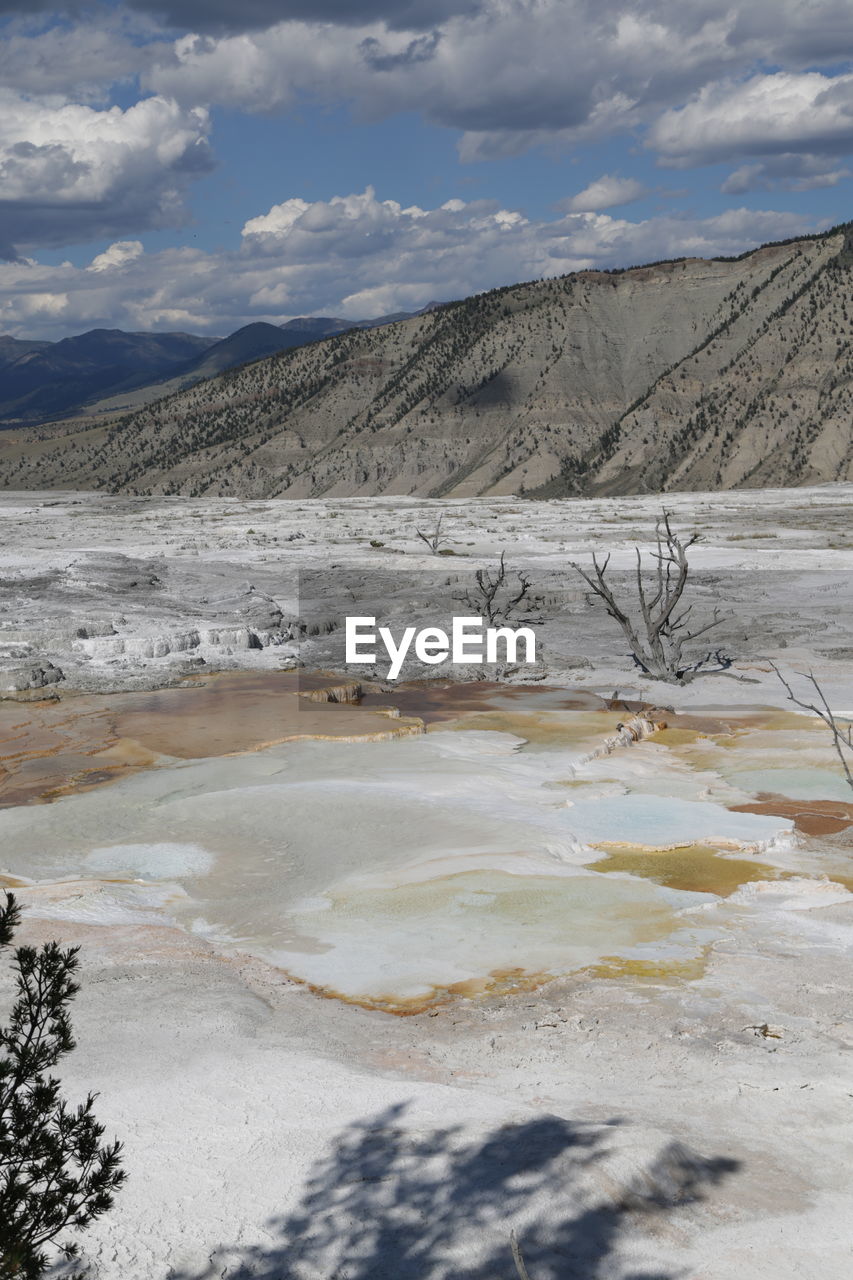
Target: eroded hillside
688,374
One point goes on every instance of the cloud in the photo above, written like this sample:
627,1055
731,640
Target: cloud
71,173
597,239
336,253
797,33
28,6
606,192
778,113
524,68
508,75
355,256
789,171
77,63
119,254
249,15
422,49
511,74
504,69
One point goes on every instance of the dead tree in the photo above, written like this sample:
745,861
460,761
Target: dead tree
498,596
659,634
842,735
435,541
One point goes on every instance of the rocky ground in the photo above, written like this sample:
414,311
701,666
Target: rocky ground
623,1129
657,1121
118,592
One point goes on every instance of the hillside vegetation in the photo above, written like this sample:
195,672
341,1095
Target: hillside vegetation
690,374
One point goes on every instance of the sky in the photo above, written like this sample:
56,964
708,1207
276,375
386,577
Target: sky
195,165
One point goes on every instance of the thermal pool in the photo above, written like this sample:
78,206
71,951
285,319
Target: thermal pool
398,873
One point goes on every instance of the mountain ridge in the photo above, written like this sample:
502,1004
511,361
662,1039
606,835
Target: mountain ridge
49,378
115,370
687,373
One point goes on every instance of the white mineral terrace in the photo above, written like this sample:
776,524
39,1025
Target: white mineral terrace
360,985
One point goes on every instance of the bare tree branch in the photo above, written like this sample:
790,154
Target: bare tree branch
523,1273
659,636
435,540
495,596
842,737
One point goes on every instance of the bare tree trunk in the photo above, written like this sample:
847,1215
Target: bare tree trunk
658,637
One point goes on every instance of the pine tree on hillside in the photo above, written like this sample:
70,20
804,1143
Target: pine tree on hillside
55,1176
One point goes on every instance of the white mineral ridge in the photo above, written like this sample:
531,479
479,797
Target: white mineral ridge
89,902
792,894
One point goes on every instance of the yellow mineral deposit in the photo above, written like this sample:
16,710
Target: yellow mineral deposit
399,849
72,743
693,868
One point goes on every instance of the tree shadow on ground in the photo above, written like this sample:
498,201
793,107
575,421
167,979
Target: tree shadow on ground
392,1203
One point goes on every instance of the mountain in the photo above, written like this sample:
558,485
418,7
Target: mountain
51,378
252,342
12,348
108,371
307,329
690,374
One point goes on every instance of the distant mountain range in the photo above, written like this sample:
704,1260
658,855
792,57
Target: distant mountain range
689,374
49,379
108,370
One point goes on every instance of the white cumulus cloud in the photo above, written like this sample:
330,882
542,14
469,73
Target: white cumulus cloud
71,172
605,192
511,74
356,256
118,254
781,112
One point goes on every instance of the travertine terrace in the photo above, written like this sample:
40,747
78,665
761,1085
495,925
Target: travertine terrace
454,959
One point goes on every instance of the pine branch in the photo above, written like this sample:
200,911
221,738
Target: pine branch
55,1173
